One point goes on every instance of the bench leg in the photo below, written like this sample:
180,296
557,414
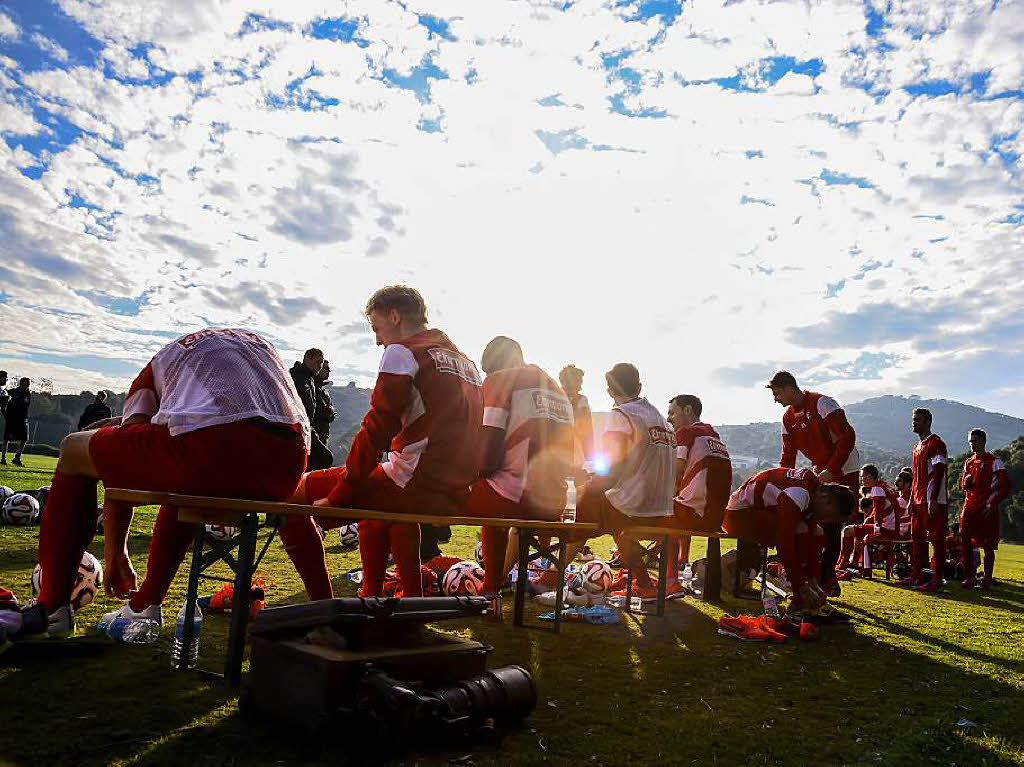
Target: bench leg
560,585
629,588
240,602
191,595
713,572
662,574
524,549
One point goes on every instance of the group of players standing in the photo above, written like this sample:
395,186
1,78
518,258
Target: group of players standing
216,413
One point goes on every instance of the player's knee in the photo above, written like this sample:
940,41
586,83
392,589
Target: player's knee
74,453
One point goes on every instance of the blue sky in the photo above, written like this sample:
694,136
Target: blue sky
710,190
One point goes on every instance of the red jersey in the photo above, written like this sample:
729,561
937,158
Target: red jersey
985,482
776,489
216,376
929,467
425,411
885,506
697,447
820,431
536,416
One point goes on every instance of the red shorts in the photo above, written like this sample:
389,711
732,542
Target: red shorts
928,527
244,459
983,530
378,493
487,503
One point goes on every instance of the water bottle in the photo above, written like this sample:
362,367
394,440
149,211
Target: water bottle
569,512
191,653
132,630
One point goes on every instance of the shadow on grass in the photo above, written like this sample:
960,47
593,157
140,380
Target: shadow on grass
1004,595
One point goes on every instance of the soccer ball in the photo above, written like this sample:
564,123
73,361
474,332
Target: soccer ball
221,532
595,576
88,581
465,578
21,509
5,493
349,535
479,553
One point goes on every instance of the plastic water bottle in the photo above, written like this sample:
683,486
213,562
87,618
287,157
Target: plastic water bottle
191,653
569,513
133,630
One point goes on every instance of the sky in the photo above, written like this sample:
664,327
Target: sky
710,190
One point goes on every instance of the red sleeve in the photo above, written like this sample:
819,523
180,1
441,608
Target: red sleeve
143,397
1001,489
788,458
877,508
387,403
940,470
844,437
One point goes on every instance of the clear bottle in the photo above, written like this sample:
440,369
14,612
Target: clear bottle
569,512
134,630
191,653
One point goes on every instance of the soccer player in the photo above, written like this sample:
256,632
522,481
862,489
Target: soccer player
816,426
213,413
527,452
880,519
928,503
16,421
786,508
703,482
640,483
571,378
986,484
426,412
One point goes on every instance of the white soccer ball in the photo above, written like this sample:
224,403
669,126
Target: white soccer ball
88,581
463,578
479,553
221,532
21,509
349,535
595,576
5,493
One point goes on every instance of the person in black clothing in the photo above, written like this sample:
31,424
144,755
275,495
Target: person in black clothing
325,412
95,411
16,421
304,376
4,396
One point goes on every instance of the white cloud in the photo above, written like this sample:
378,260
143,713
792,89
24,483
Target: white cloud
8,29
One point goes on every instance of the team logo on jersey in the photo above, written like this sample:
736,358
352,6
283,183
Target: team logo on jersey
553,406
661,436
798,474
447,361
716,447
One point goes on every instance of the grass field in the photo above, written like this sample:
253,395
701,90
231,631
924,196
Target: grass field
887,689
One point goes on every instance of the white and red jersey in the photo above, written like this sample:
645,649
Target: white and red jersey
985,482
216,376
929,465
536,416
820,431
647,477
776,490
698,447
885,506
426,412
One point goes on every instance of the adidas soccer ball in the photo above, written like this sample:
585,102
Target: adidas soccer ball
5,493
465,578
595,576
349,535
221,532
88,581
21,509
478,552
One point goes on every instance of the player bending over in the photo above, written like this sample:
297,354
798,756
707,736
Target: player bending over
703,482
786,508
879,521
213,413
928,504
986,484
425,413
527,453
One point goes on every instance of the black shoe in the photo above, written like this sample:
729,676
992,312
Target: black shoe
827,615
17,462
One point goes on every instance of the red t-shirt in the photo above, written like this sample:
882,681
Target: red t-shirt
536,416
985,482
820,431
929,465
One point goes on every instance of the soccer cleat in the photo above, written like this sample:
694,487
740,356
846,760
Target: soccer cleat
7,599
828,615
865,572
33,622
747,629
969,582
676,590
986,584
930,587
3,461
17,462
832,589
646,593
910,582
844,575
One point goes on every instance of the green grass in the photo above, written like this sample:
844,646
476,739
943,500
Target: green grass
887,689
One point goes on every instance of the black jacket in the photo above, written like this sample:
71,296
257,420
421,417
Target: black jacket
94,411
17,406
319,456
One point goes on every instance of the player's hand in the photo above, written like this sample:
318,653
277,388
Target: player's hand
102,424
322,502
827,476
119,577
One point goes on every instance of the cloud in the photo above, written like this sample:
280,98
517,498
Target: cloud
8,29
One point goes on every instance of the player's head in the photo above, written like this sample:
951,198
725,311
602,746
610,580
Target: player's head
325,371
977,439
905,479
313,359
623,382
784,388
865,504
869,475
501,353
101,396
684,410
23,383
571,378
396,312
833,502
921,421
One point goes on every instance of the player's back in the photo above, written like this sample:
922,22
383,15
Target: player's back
646,482
761,491
707,469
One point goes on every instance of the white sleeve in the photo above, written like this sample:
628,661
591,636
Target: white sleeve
997,465
496,417
398,360
682,451
937,459
877,492
827,406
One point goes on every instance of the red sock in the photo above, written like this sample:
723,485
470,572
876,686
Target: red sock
808,550
495,544
373,550
306,550
167,550
939,560
405,548
918,554
68,525
966,553
846,553
672,552
990,563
